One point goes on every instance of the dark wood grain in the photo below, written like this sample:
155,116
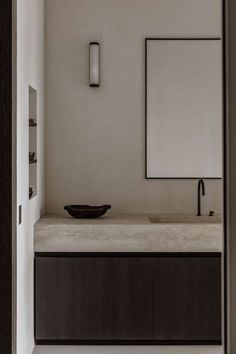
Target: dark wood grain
6,196
163,298
93,298
188,299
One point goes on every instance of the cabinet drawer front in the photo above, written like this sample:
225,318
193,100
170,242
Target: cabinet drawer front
93,298
188,299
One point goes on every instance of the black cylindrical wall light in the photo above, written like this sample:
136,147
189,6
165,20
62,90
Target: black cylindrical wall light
94,64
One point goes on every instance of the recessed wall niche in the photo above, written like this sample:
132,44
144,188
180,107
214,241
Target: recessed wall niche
32,142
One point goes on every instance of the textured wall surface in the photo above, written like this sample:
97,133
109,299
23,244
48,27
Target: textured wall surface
95,138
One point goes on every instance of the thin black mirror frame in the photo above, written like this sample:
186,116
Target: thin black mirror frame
146,119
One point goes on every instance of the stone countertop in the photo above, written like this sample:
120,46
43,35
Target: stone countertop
124,233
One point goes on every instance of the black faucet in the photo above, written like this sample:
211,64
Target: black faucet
200,186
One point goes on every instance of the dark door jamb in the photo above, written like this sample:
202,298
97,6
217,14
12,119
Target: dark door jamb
8,169
7,177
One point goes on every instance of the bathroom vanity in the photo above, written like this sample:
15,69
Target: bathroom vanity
128,280
142,279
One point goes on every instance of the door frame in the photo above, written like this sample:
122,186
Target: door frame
225,174
230,175
8,176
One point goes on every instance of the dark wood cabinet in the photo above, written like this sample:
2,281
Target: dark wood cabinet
93,298
127,298
187,302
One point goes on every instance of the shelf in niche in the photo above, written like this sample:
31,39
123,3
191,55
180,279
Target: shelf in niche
32,122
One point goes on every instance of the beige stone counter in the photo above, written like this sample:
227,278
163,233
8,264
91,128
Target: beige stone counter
124,233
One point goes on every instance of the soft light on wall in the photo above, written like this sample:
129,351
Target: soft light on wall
94,64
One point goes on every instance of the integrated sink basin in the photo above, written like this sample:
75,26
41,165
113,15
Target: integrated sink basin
185,219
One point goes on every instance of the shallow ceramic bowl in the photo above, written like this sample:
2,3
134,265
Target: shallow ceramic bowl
86,211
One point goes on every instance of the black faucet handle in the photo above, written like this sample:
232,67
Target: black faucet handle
211,213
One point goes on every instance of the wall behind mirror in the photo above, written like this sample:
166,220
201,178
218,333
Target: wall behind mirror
184,114
95,138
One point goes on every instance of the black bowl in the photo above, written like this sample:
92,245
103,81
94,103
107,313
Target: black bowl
86,211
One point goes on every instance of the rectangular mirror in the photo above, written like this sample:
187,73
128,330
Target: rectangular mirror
184,108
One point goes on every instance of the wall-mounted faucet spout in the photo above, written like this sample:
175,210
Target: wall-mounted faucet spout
200,187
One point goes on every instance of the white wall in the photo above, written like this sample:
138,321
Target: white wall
30,71
95,138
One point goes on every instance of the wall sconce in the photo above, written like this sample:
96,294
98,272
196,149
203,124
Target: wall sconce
94,64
